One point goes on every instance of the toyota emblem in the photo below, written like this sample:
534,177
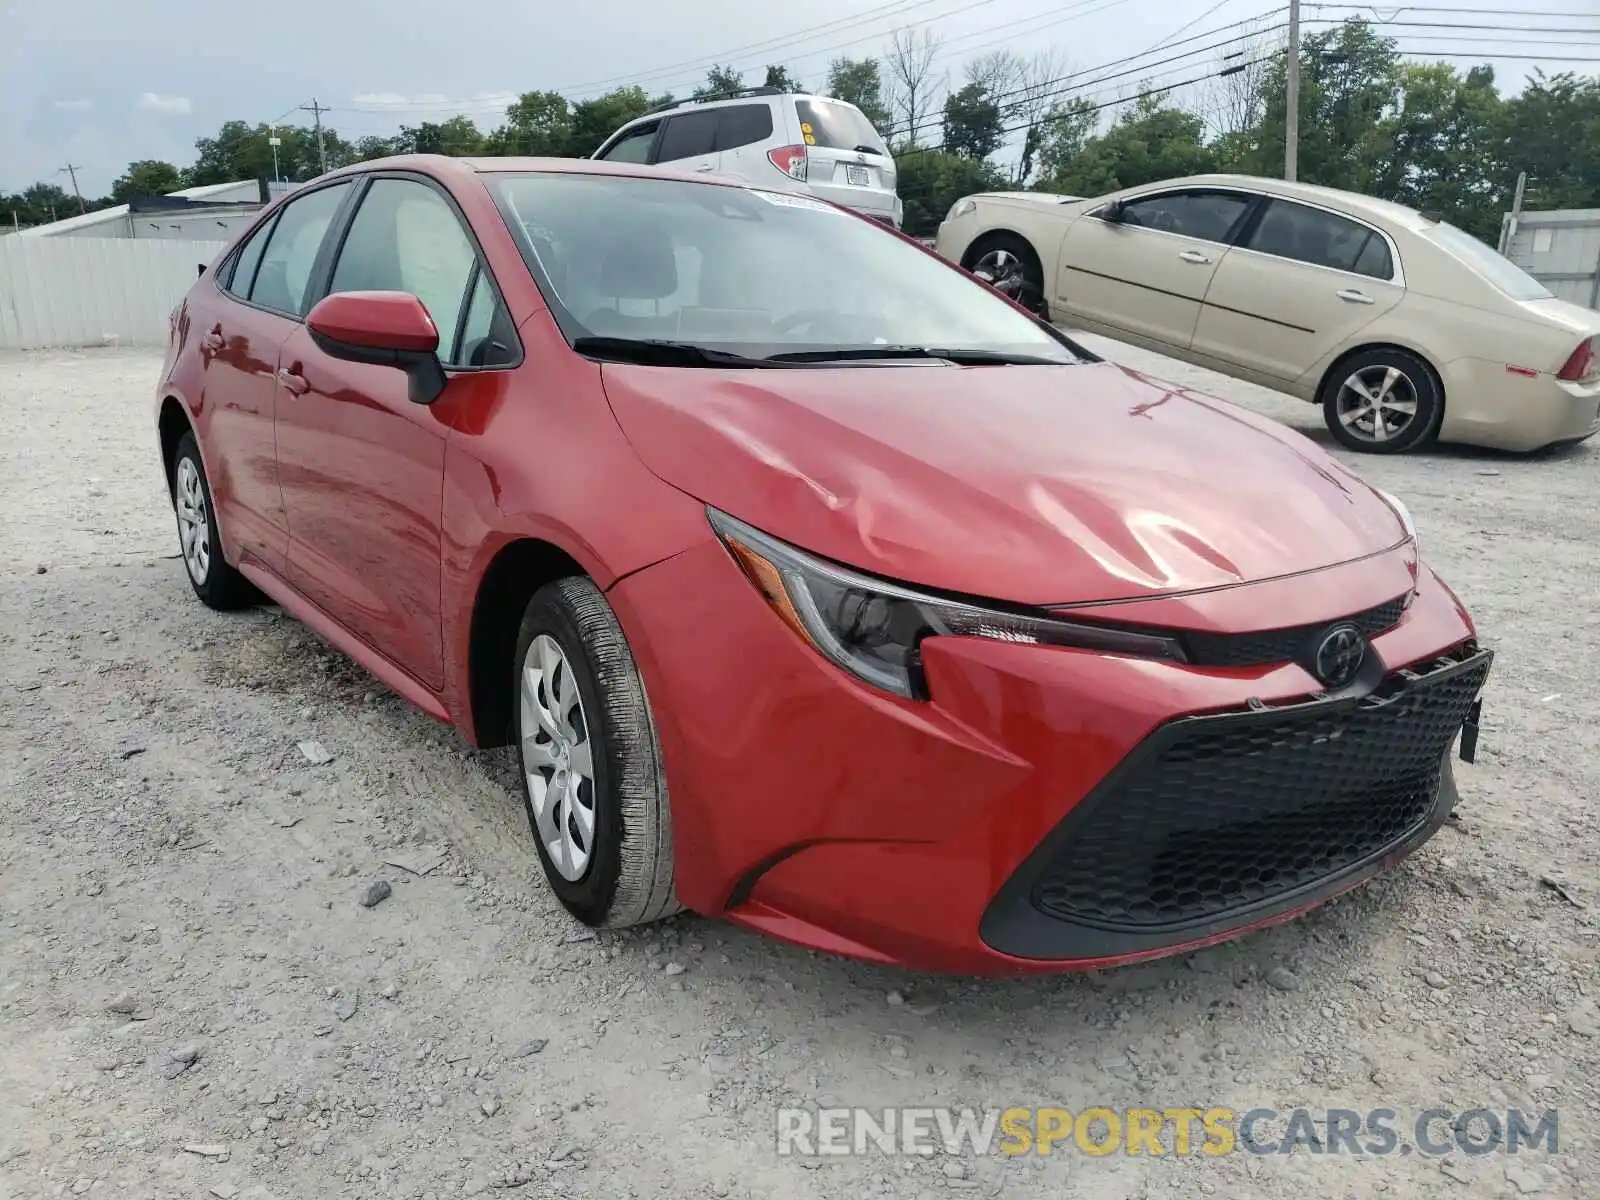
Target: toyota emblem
1340,655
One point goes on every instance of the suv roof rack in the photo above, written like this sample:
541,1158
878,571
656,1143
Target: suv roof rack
749,91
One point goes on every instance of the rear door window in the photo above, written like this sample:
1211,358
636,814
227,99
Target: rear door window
283,279
691,135
1310,235
837,127
633,146
743,125
1208,216
243,272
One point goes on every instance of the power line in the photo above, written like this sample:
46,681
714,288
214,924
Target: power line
1426,8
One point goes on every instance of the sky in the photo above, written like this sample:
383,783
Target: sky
100,83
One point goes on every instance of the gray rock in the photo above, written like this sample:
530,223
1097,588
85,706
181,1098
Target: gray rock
1283,979
529,1049
124,1005
375,893
490,1105
895,999
673,968
345,1003
1434,980
955,1169
1583,1025
187,1054
316,753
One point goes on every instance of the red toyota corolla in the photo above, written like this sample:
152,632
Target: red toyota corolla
820,587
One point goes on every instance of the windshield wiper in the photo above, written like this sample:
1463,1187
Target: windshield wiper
869,150
659,353
965,358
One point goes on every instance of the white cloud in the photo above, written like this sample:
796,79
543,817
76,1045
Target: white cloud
75,105
150,102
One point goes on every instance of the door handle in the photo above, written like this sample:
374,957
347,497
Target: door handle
1350,295
704,167
213,340
1194,256
293,382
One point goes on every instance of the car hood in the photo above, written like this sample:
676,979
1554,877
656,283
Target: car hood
1037,485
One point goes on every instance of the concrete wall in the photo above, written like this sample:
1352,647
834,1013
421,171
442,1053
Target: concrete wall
70,291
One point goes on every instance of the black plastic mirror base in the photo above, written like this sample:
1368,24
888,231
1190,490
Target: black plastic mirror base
425,377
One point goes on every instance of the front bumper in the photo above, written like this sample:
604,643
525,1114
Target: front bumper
824,812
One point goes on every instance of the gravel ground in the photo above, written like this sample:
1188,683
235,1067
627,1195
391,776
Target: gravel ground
193,1000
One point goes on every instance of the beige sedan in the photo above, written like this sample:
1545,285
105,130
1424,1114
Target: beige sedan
1403,328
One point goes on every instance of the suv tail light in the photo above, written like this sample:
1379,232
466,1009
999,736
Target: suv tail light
1583,365
791,160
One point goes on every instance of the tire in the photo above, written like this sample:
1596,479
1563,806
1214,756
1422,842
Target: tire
1386,374
589,694
217,584
1012,268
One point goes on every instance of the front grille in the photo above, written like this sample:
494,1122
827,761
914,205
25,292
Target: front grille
1217,813
1281,645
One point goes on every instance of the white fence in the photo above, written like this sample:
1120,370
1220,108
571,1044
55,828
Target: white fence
1560,249
67,291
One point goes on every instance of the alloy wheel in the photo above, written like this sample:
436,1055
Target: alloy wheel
1377,404
194,525
1003,271
557,756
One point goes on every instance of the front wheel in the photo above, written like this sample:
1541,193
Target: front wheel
1008,264
1383,401
592,777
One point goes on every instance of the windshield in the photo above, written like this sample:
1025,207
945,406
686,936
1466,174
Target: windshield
746,272
1501,272
837,126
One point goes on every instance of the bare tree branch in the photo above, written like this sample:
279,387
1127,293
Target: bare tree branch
910,83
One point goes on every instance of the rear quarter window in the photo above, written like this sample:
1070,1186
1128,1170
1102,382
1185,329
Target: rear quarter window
743,125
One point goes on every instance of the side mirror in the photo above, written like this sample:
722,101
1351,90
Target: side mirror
202,267
389,329
1113,212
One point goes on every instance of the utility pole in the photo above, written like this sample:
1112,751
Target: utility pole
316,110
71,171
1508,230
275,141
1291,98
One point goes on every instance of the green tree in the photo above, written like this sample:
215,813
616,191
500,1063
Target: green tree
241,151
539,123
1064,133
972,126
39,205
458,137
858,81
1551,130
147,177
593,121
930,181
719,81
1442,151
1349,81
372,146
779,77
1148,142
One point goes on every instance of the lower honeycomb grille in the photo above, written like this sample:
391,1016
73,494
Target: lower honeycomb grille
1218,813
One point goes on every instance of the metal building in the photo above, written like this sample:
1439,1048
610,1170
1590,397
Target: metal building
1561,249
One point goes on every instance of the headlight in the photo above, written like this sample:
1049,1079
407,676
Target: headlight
1401,511
961,208
874,629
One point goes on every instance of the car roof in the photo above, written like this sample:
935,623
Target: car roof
1354,202
444,165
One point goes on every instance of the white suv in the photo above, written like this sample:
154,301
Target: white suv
826,146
